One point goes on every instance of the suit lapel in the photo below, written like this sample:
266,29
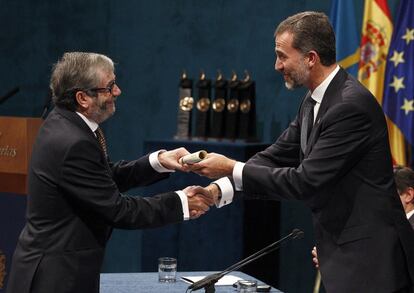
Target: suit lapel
77,120
74,118
331,97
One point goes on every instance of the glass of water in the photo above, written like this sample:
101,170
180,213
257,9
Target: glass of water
167,269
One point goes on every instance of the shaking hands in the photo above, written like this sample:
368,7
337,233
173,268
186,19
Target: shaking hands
211,165
199,200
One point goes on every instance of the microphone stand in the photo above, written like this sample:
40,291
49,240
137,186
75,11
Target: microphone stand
208,282
10,93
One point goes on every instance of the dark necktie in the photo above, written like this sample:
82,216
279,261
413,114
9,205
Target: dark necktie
102,142
307,122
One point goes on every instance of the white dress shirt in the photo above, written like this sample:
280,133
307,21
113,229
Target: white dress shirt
155,164
224,183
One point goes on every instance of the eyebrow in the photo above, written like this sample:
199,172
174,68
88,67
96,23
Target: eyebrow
111,82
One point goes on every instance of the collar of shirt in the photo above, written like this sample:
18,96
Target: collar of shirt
91,124
320,90
409,214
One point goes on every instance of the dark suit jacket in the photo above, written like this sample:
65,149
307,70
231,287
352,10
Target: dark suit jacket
74,201
411,220
345,177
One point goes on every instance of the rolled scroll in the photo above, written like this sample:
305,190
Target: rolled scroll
193,158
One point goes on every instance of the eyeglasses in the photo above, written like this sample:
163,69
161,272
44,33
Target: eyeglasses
108,89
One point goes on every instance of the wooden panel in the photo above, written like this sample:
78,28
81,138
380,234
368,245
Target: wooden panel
17,136
13,183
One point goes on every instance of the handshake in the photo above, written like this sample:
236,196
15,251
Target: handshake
211,165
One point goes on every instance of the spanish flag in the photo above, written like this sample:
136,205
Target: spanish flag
376,36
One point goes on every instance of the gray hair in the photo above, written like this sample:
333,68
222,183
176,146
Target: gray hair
77,71
311,31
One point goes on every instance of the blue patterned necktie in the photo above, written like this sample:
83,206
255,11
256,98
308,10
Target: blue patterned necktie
307,122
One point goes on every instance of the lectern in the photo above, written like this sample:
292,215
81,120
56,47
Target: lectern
17,135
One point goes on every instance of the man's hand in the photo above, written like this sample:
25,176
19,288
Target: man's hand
214,191
315,257
199,200
169,159
213,166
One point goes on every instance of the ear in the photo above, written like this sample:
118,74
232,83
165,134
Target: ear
313,57
409,195
83,100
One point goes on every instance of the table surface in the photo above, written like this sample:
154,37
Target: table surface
148,282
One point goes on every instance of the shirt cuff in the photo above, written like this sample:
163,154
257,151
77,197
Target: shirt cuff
227,192
238,175
184,203
155,163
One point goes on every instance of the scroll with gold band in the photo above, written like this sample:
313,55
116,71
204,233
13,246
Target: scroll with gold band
232,109
218,107
203,107
185,105
247,108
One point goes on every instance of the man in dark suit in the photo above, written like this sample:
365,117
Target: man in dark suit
335,157
404,179
74,198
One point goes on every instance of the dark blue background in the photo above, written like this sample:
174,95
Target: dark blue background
152,42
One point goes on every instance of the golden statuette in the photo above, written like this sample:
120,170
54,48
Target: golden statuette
246,76
202,75
233,76
184,75
219,75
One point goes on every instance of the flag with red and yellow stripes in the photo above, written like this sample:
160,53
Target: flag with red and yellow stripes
376,36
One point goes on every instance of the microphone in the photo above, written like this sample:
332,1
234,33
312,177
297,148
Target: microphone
9,94
209,281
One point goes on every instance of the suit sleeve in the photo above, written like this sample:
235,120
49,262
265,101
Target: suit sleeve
135,173
343,138
284,152
88,185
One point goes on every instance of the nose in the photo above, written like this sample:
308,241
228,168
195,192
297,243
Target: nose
116,91
278,65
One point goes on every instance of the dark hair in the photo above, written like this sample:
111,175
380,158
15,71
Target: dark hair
311,31
404,178
77,71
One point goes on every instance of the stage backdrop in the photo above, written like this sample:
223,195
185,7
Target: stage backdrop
152,42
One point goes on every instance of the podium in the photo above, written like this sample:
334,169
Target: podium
17,135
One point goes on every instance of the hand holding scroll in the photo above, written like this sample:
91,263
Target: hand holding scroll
213,166
170,159
193,158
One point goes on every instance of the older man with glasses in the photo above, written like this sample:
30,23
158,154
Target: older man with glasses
74,197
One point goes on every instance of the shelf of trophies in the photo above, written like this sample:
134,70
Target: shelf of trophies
221,110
